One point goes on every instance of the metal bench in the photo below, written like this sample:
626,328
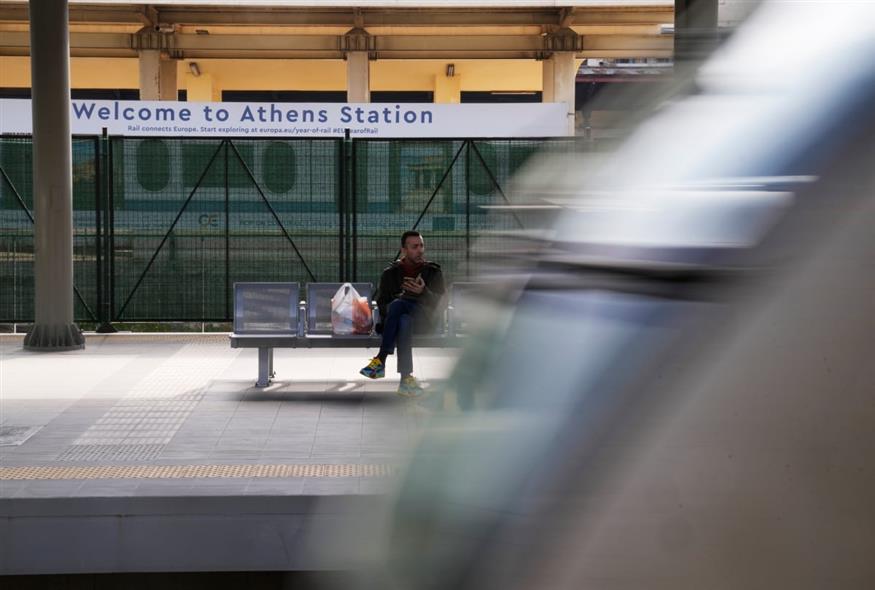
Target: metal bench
269,315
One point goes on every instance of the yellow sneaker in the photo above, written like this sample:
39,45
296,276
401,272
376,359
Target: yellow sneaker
410,387
375,369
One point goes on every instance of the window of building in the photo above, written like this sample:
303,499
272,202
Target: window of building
104,94
402,96
284,95
501,97
14,92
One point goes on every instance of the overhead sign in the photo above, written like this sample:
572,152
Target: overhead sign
228,119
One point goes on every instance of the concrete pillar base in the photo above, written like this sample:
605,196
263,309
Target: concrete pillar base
51,338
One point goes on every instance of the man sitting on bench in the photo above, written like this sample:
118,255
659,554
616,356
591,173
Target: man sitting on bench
409,296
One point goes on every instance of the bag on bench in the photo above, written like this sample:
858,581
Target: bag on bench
350,313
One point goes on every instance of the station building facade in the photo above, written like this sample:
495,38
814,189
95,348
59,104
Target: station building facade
480,51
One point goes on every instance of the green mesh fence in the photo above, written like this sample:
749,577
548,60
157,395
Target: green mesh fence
493,164
190,217
86,186
16,229
454,192
199,215
394,182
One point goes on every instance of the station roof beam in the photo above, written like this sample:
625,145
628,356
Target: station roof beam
630,28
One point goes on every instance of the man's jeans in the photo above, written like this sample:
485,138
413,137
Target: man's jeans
398,330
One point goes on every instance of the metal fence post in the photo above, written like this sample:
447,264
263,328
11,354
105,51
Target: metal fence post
353,201
110,209
98,229
468,208
227,240
105,230
341,211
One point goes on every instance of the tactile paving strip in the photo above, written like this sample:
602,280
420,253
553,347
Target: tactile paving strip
111,452
193,471
208,338
138,426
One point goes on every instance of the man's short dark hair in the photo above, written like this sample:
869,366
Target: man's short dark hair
409,234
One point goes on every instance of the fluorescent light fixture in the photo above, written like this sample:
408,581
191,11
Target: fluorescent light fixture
451,70
195,69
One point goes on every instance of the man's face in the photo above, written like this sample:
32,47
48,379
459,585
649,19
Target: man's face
414,249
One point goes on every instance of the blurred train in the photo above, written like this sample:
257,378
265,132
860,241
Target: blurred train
675,388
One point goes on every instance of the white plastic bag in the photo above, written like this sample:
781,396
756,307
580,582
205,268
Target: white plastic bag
350,313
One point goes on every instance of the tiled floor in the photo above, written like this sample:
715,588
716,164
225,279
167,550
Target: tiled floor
190,400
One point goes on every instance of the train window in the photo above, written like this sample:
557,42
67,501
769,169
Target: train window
153,164
278,167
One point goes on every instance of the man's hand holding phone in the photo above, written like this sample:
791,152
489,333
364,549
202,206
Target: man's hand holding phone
413,285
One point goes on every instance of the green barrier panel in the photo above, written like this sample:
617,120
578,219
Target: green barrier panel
450,191
16,229
229,211
179,220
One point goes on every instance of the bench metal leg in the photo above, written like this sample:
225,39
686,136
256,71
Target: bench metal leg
265,367
271,372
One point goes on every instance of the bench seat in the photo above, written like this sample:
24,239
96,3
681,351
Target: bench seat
265,343
268,316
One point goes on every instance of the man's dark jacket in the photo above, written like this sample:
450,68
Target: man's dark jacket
431,300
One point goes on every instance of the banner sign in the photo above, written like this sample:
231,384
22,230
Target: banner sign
229,119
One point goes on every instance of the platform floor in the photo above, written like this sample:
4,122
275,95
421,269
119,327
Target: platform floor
136,414
156,453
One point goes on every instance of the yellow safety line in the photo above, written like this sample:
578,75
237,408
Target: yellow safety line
192,471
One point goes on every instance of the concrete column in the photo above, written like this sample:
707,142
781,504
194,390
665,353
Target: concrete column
150,74
696,34
202,88
564,72
167,89
358,86
547,74
448,89
52,179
